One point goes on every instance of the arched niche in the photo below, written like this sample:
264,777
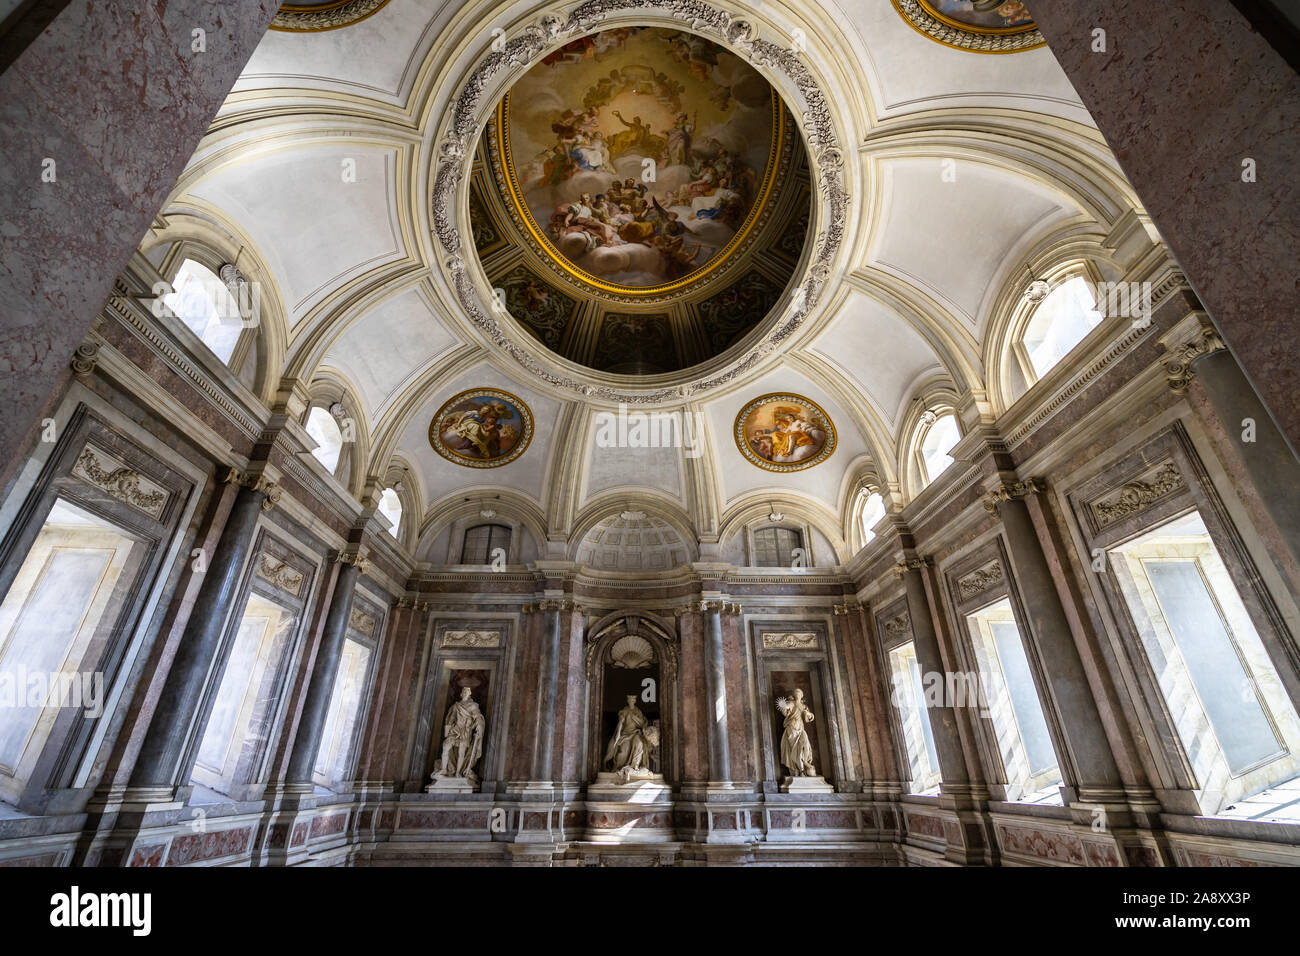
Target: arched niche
625,651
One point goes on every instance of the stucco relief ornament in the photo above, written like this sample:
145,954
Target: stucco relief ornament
462,746
552,31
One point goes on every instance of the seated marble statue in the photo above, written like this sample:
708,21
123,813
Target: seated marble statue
462,739
796,748
634,740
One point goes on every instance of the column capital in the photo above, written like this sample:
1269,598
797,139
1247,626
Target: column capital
721,606
850,606
84,359
912,564
357,557
255,481
1191,339
1012,490
555,604
415,604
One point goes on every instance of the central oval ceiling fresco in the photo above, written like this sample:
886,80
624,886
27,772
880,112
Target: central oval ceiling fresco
640,200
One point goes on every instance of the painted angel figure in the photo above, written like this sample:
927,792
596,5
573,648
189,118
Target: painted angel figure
796,748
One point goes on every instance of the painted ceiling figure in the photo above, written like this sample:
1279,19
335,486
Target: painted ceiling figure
796,747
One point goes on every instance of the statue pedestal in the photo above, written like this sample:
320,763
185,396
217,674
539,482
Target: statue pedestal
639,811
443,784
816,784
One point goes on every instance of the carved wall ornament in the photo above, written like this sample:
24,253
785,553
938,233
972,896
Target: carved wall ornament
1178,369
790,641
279,574
309,18
552,31
471,639
127,485
361,622
1138,495
898,626
632,651
980,580
1011,490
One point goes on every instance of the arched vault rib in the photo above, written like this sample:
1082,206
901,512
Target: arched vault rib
955,347
875,432
388,429
1056,155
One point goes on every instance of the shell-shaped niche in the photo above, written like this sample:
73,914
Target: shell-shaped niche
632,651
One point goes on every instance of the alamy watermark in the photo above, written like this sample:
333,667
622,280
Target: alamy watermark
638,429
83,690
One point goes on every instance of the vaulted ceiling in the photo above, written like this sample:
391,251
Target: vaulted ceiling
959,168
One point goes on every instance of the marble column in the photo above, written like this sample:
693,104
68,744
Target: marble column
1200,111
543,768
172,739
942,717
102,109
716,682
315,708
1198,354
1089,759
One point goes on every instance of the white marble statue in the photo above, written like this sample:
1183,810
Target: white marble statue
796,748
462,740
634,740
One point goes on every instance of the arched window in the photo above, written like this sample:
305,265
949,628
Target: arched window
774,547
323,427
873,509
390,506
481,540
937,441
205,305
1058,324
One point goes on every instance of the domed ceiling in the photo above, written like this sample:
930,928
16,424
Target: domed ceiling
640,200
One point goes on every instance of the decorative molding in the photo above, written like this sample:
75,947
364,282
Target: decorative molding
1138,495
255,481
980,580
1012,490
471,639
552,31
805,640
1178,369
109,473
279,574
121,307
296,18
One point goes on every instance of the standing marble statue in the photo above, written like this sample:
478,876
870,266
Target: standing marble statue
796,748
462,740
634,740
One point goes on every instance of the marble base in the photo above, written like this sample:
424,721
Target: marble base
638,811
806,785
443,784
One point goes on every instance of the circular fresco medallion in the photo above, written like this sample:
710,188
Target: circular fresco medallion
784,433
981,26
482,428
640,158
